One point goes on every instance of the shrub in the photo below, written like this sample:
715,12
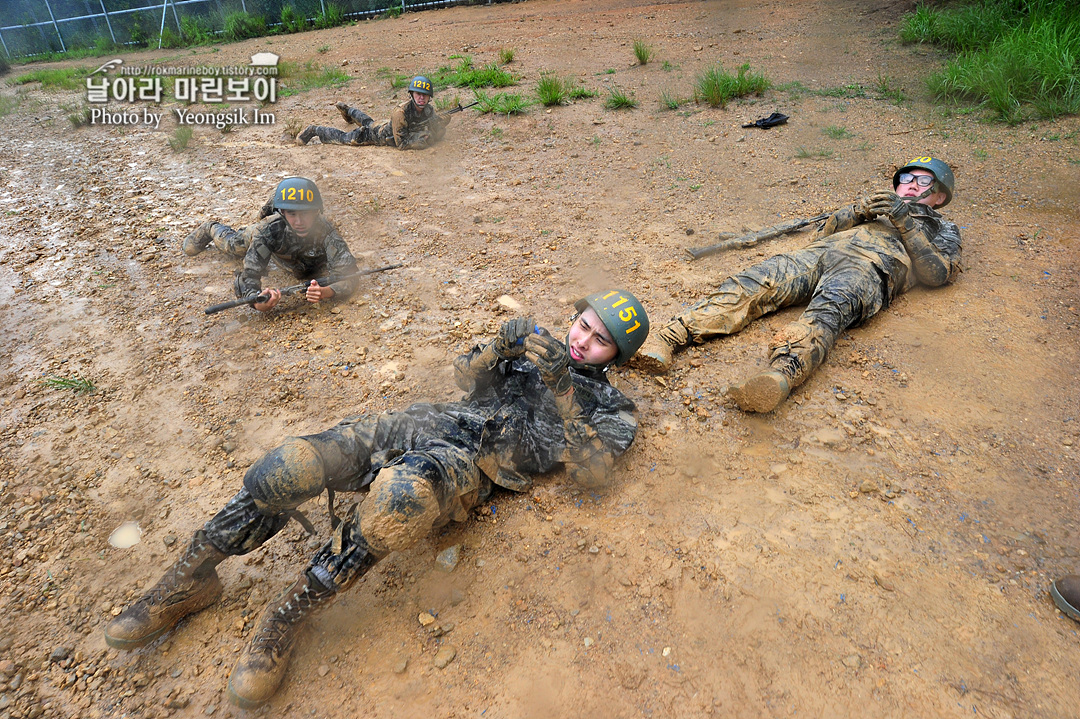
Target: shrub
332,16
291,20
195,31
241,26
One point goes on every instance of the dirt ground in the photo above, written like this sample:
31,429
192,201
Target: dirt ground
880,546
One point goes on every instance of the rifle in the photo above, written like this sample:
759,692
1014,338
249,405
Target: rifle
323,281
445,114
752,238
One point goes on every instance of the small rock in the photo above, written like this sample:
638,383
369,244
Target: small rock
448,558
227,447
884,582
59,654
853,661
178,702
869,486
689,230
508,302
666,652
594,549
425,619
401,666
324,669
169,540
477,219
444,656
588,642
7,668
480,563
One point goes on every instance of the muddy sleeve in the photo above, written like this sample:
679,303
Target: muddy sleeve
478,369
267,209
437,127
340,262
933,244
594,441
400,127
258,257
843,219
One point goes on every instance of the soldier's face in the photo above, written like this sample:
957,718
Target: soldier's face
589,340
912,189
301,221
419,99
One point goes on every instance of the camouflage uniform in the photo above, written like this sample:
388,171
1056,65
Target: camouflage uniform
409,128
430,463
854,267
322,252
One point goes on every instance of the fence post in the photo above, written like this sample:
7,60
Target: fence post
4,43
57,27
106,14
177,19
402,7
164,7
322,4
243,6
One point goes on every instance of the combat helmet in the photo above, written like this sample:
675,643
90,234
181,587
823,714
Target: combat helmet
624,317
297,193
421,85
941,171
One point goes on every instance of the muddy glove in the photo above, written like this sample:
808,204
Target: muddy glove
889,205
508,344
551,358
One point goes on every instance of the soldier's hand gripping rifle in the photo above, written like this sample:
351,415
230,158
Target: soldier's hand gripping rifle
323,282
752,238
445,114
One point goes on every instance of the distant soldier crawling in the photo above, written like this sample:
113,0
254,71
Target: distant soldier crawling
292,231
861,258
532,402
413,125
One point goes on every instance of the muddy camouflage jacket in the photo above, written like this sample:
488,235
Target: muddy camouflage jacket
409,134
927,250
322,251
523,433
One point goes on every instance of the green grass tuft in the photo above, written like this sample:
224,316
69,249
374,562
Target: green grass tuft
836,132
669,101
332,16
577,92
296,78
67,78
716,86
465,74
642,52
619,100
502,103
805,154
552,90
77,385
506,55
291,20
180,138
241,26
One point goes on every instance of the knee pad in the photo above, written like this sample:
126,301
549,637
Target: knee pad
401,508
286,477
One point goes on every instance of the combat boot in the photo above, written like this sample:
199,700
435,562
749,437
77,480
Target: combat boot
305,135
190,584
198,240
261,666
657,354
343,108
762,392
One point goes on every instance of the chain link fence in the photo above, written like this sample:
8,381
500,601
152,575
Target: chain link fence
38,27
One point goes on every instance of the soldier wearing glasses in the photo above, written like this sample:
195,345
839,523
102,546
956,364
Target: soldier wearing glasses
862,257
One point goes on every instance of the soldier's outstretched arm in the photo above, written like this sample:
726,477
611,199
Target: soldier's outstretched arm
341,263
843,219
477,369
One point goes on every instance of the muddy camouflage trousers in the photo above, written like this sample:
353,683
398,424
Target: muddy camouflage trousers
365,133
232,242
416,465
837,281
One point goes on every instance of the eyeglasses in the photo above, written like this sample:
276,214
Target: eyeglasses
906,178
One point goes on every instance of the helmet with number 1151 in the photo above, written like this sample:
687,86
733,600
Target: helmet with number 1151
624,317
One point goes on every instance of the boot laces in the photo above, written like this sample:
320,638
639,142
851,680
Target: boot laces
174,580
289,613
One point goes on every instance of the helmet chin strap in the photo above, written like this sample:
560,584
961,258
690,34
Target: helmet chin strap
926,193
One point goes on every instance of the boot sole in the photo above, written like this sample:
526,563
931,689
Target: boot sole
650,364
1063,604
758,394
240,701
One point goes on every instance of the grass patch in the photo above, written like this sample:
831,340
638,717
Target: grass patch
331,16
669,101
77,385
642,52
80,117
552,90
241,26
195,31
8,105
67,78
1017,59
803,153
502,103
446,102
296,78
465,74
577,92
716,86
506,55
292,21
887,91
619,100
836,132
323,49
180,138
293,126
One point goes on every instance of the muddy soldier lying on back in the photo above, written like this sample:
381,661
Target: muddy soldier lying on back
861,258
413,125
532,402
292,231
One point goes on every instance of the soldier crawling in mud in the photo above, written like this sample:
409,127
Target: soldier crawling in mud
413,125
860,259
292,231
532,402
